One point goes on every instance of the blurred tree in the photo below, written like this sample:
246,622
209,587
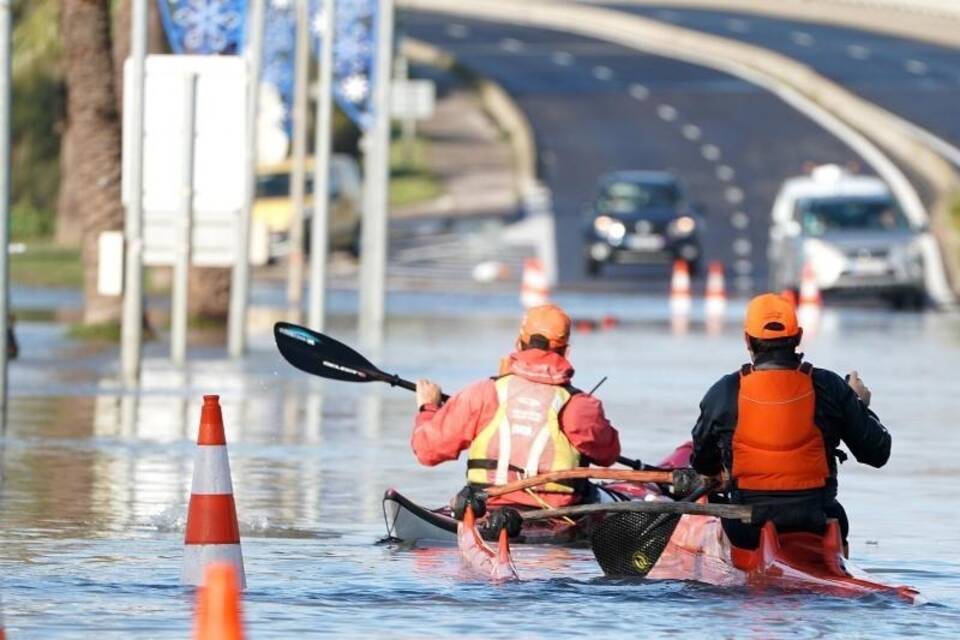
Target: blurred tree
93,160
38,104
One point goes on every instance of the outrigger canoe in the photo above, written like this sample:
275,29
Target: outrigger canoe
697,549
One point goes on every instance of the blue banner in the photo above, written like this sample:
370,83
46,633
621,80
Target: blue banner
204,26
280,53
354,56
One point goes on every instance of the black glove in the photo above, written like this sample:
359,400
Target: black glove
474,498
505,518
685,482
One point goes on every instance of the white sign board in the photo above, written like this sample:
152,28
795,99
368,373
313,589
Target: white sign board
412,99
219,162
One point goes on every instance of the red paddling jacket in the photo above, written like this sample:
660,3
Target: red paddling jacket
529,421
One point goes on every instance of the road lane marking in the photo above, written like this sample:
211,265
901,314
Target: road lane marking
738,26
858,52
733,195
740,220
802,38
743,266
457,31
667,112
916,67
601,72
725,172
512,45
710,152
691,132
639,91
742,247
562,58
744,283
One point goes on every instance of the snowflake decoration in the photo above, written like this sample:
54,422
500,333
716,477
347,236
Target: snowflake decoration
355,88
203,26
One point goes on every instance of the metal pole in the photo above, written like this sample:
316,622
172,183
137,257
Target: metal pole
181,268
295,265
319,223
240,280
373,241
5,81
131,331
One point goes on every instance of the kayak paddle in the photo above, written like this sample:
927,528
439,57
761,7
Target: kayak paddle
321,355
630,542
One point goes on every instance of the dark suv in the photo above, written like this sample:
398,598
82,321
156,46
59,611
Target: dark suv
640,217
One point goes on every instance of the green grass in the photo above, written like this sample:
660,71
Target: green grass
47,265
104,332
411,181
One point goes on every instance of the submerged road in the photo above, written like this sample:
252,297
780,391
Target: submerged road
918,81
597,107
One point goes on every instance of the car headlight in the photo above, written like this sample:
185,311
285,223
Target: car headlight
602,224
616,231
828,262
682,226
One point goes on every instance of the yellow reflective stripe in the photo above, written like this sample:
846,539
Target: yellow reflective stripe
481,444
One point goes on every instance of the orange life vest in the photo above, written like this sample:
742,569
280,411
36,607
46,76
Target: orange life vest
524,437
776,444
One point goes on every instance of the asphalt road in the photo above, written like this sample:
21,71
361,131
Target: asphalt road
597,107
916,80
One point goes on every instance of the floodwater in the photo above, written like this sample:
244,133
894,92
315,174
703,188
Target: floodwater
95,486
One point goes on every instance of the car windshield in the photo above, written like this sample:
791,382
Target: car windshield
820,216
628,197
277,185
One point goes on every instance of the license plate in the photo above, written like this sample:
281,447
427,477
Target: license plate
645,243
869,266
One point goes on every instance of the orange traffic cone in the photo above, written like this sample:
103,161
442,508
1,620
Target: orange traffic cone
809,289
716,298
680,288
535,289
213,534
218,605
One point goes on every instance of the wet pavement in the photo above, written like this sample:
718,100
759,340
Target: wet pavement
96,482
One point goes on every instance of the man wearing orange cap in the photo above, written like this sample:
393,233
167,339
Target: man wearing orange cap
526,421
774,428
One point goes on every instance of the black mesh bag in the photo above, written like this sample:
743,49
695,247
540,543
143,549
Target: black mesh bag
629,544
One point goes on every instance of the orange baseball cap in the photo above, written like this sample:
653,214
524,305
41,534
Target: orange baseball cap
771,316
549,321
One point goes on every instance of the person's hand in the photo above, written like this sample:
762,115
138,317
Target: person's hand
853,379
427,393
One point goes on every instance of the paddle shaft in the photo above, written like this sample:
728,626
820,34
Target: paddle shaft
657,477
743,513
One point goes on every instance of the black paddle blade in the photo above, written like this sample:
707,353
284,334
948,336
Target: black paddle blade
321,355
629,544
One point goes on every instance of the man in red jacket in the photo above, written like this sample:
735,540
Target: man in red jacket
526,421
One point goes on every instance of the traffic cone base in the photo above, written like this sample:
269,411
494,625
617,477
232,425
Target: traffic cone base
196,557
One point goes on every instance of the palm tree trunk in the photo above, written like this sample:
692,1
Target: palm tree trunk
94,126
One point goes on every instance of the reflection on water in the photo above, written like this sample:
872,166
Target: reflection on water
95,486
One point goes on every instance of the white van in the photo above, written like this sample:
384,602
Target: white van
850,229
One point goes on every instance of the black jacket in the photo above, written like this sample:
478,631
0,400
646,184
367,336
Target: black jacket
839,414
